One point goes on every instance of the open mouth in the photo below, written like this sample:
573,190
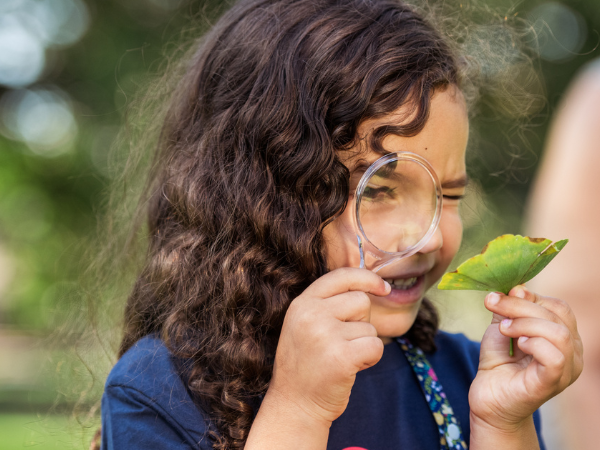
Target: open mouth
402,284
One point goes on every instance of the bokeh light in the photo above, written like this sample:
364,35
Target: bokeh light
41,118
28,28
59,22
22,55
561,31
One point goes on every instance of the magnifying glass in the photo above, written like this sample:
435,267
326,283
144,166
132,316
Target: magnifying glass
398,208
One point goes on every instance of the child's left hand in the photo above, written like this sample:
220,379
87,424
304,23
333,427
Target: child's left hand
548,357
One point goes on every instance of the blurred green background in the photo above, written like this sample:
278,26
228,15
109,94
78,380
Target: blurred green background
68,69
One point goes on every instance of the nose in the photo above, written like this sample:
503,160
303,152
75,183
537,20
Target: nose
435,242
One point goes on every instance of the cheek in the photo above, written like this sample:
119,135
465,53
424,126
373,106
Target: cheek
341,247
452,230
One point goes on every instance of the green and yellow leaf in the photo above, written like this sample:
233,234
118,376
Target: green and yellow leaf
504,262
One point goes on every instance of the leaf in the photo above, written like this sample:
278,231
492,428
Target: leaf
503,263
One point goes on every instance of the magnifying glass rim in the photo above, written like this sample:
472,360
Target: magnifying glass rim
397,156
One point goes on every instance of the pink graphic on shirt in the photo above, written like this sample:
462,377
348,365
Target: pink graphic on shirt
354,448
431,373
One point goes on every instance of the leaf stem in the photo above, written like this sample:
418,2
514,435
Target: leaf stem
511,351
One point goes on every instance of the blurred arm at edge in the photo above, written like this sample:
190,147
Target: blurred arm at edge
565,203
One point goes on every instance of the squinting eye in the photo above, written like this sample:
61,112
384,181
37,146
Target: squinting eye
454,197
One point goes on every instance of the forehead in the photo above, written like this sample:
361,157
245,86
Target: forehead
442,141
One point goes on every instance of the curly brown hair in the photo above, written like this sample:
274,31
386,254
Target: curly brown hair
248,174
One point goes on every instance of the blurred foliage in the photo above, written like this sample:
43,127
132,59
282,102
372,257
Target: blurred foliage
507,153
49,202
20,431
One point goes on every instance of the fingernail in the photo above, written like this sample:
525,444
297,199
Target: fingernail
506,323
493,298
519,292
387,285
523,339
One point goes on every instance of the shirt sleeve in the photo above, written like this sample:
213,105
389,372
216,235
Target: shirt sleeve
131,420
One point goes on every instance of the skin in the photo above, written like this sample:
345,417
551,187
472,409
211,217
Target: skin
442,142
564,204
340,323
548,358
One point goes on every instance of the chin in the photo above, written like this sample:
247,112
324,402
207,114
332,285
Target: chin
393,323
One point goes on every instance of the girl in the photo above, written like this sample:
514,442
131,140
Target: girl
250,325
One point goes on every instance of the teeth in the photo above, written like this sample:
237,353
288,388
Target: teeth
402,283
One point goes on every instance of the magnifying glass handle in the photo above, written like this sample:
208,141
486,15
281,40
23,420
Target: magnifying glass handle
362,253
361,250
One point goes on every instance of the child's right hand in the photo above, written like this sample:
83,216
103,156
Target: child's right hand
325,340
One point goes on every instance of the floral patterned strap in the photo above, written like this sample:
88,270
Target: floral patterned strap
451,437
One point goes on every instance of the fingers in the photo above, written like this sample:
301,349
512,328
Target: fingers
365,351
550,361
557,334
524,303
348,279
349,306
512,307
342,293
356,330
529,315
557,306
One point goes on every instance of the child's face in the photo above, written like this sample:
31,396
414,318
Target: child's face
442,142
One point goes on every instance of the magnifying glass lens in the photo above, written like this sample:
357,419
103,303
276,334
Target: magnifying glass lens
397,205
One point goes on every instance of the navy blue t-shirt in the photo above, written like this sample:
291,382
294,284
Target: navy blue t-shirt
147,406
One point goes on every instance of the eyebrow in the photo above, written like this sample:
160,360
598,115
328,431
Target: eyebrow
363,165
456,183
461,182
